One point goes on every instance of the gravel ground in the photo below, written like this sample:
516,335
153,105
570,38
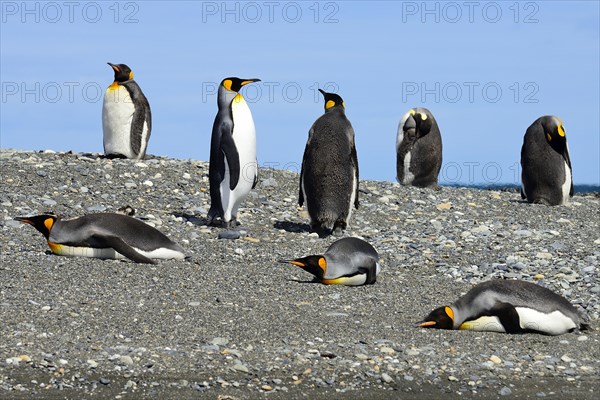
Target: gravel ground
230,322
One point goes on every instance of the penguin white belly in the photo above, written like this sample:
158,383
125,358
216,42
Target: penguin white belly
483,324
244,137
112,254
408,176
555,323
566,187
117,115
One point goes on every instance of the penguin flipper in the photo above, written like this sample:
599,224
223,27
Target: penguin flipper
568,161
355,162
231,155
120,246
255,176
141,118
508,316
300,191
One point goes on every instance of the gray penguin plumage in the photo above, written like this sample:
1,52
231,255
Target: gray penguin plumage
547,176
510,306
233,169
105,235
349,261
126,116
418,149
329,176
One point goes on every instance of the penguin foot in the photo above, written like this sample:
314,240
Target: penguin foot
112,156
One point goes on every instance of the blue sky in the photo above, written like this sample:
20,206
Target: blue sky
486,70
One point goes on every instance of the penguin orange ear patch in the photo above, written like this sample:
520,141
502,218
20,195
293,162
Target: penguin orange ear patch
323,263
561,131
329,104
227,84
48,223
449,313
131,75
549,137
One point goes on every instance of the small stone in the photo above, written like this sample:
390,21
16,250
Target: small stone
46,308
229,234
194,304
240,368
92,363
505,391
412,352
104,381
387,350
148,183
563,221
127,360
444,206
219,341
543,255
386,378
24,358
566,359
495,359
452,378
582,338
266,388
538,276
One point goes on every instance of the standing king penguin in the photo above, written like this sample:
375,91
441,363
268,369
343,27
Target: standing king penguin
508,306
418,149
126,117
233,168
546,174
329,175
349,261
105,235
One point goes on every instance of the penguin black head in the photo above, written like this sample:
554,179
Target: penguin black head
332,100
554,131
440,318
235,84
316,265
122,72
42,223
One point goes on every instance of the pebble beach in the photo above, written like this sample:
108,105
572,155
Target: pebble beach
231,322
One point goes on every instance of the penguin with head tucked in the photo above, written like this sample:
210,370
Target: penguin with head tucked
349,261
233,168
105,235
126,116
418,149
509,306
547,177
329,175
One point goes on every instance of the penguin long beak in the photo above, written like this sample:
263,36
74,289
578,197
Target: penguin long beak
113,66
425,324
23,220
247,81
293,262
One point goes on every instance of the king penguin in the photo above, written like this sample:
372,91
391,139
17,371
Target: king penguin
105,235
233,168
509,306
418,149
546,174
349,261
126,117
329,174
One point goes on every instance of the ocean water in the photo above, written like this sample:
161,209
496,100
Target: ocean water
507,187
